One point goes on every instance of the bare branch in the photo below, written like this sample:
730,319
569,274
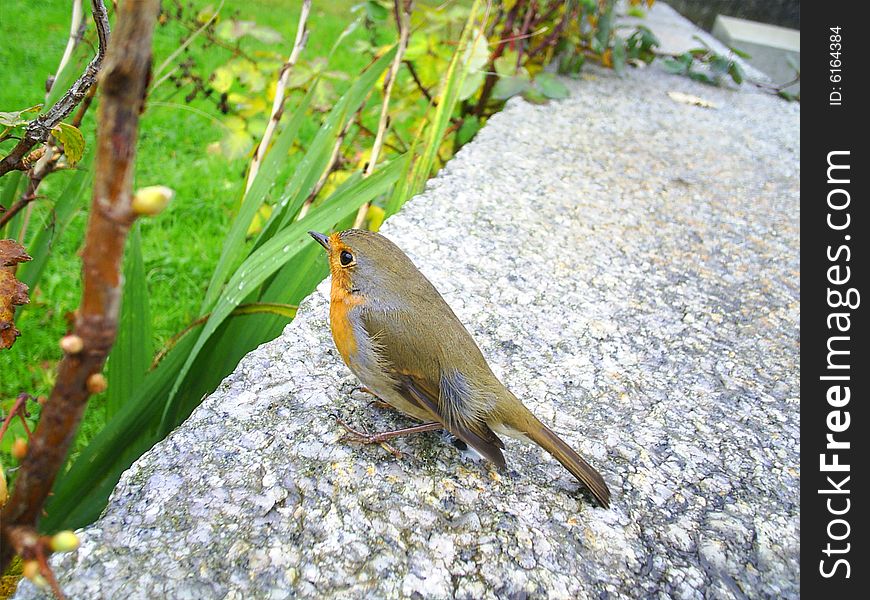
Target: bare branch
123,85
38,130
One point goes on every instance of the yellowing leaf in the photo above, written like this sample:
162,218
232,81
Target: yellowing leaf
73,141
222,79
205,14
376,217
235,123
259,220
693,100
236,144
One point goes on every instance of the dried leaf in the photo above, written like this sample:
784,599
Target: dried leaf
693,100
12,291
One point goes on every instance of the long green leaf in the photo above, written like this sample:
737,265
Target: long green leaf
68,203
276,158
455,77
131,354
275,253
316,159
130,432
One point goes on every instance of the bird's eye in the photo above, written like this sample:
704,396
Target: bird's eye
346,258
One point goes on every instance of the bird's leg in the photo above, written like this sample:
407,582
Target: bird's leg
362,437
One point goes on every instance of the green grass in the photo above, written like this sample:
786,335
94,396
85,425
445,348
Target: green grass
182,245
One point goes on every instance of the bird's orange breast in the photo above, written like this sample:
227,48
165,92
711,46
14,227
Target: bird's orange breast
340,304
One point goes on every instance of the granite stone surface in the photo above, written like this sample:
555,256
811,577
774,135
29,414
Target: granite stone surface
629,266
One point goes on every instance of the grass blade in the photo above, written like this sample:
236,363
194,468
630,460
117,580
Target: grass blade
276,158
316,160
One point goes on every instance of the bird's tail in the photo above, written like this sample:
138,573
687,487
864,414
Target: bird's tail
539,433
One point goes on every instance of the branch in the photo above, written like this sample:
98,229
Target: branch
38,130
419,83
123,83
278,102
403,20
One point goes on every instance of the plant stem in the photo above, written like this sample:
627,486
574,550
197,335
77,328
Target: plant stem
403,22
278,102
124,82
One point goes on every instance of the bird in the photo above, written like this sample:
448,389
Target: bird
401,339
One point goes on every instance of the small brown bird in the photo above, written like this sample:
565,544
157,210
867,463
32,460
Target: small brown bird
401,339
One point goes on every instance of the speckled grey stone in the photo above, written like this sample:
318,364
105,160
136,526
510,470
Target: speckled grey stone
629,266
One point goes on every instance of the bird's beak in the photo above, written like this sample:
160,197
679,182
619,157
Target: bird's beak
321,239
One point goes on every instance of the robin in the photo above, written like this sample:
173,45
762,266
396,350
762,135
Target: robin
400,338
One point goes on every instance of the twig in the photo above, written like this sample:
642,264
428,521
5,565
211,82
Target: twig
38,130
123,85
330,166
39,172
159,70
403,20
17,409
278,102
419,83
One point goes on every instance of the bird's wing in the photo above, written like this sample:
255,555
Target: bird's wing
412,354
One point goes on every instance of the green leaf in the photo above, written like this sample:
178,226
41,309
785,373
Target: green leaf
740,52
10,183
534,96
506,64
720,65
736,72
507,87
550,86
19,117
265,34
376,11
470,127
234,243
131,353
618,55
73,142
674,66
232,29
702,77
